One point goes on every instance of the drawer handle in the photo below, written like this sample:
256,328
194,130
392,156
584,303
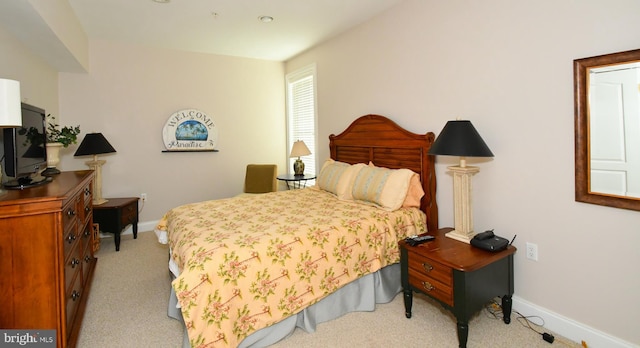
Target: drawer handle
86,233
427,267
71,238
87,259
71,213
74,262
427,286
75,295
87,191
87,209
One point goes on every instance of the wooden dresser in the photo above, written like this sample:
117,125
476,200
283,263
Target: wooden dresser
46,256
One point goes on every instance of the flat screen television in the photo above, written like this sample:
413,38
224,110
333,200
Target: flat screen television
25,154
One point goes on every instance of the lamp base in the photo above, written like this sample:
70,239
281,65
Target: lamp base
462,237
99,201
462,207
96,165
298,167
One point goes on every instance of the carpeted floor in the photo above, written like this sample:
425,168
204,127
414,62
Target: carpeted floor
128,308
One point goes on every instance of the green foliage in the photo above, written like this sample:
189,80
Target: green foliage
65,135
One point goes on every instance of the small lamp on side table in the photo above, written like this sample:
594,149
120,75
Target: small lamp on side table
10,111
95,144
298,149
460,138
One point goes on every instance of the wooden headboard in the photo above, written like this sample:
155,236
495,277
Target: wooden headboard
377,139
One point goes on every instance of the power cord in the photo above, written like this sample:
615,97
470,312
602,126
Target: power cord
494,310
141,206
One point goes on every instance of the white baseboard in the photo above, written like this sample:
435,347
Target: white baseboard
555,322
569,328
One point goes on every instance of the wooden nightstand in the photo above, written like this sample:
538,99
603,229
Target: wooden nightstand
117,214
461,277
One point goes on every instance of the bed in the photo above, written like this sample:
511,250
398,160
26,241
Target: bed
250,269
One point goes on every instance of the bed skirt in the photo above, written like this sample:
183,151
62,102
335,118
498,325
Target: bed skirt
358,296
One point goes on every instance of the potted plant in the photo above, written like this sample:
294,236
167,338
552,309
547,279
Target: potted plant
65,135
56,138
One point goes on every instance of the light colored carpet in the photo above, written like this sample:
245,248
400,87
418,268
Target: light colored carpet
127,307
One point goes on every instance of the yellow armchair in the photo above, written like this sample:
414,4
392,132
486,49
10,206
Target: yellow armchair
261,178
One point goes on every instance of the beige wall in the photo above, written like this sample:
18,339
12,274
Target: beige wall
38,80
506,66
131,91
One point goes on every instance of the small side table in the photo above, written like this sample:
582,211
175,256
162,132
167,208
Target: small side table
296,181
117,214
462,278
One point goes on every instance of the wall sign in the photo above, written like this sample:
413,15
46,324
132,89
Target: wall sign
190,130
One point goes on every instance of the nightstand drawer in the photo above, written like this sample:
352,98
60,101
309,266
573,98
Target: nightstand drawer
129,214
419,264
431,287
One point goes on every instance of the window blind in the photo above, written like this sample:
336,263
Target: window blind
301,113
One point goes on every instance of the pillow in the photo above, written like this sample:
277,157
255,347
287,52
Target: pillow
386,188
336,177
414,192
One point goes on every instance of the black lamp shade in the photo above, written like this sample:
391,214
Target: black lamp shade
94,144
460,138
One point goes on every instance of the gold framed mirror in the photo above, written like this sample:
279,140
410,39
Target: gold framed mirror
607,129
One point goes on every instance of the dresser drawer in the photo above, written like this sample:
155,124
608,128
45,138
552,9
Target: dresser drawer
74,294
70,239
72,266
85,203
70,214
87,252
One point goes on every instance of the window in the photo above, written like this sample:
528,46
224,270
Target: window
301,115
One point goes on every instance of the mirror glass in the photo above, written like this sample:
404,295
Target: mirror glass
607,121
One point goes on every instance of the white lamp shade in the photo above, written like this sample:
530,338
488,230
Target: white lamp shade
10,109
299,149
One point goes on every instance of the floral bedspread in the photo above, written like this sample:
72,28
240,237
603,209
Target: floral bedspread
250,261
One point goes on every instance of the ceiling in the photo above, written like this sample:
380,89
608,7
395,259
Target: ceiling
226,27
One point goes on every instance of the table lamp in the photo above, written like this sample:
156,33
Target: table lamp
95,144
299,149
460,138
10,111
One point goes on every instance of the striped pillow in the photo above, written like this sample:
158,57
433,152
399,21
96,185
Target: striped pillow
330,175
386,188
336,177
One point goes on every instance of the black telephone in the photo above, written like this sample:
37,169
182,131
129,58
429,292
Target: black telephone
487,240
484,235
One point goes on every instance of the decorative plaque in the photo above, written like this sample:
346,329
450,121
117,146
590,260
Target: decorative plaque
190,130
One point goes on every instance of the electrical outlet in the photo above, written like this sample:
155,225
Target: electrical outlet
532,251
143,196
